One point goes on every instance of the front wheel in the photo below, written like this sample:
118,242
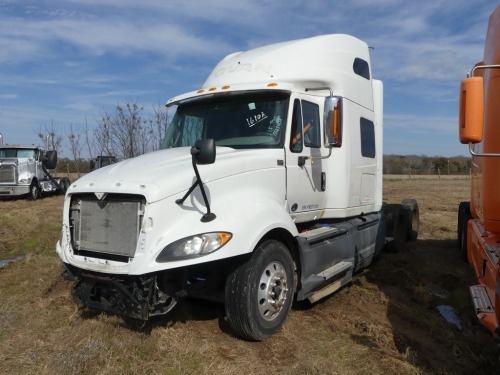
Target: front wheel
35,192
259,293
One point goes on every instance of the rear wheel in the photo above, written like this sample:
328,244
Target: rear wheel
259,293
396,227
412,216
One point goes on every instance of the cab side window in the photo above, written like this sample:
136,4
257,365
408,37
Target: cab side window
296,143
312,134
367,130
305,126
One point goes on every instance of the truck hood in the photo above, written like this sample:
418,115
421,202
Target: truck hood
14,161
158,175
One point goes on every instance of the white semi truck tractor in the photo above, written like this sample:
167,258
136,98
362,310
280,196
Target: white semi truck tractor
24,172
268,188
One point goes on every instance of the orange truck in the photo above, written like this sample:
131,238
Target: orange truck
479,220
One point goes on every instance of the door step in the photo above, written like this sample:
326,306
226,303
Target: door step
339,268
330,288
493,252
317,235
480,299
335,270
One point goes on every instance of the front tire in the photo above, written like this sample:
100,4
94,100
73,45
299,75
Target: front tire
259,293
35,192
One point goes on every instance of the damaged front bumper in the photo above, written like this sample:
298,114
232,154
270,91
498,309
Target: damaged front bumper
139,297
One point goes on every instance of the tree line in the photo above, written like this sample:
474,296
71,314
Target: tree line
426,165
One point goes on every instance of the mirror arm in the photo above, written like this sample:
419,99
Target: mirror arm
209,216
54,181
479,67
302,159
480,154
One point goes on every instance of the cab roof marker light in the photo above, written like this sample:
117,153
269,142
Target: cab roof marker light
212,89
200,91
272,84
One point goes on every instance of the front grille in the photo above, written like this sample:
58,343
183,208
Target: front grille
7,174
106,228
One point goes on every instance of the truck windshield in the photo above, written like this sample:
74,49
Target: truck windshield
244,120
16,153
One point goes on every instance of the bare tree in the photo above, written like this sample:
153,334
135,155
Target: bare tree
124,132
89,143
160,124
76,145
102,136
50,136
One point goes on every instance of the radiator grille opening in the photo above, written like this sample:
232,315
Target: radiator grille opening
7,174
107,228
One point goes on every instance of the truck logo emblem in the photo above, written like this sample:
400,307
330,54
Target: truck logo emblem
246,67
101,196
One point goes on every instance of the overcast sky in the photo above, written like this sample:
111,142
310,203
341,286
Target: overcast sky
67,61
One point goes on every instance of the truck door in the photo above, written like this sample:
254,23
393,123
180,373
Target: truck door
305,176
36,164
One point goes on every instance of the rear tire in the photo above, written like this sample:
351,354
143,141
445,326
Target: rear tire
412,216
259,293
464,215
396,227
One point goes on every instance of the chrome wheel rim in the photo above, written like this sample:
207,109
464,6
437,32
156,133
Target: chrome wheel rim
273,288
34,192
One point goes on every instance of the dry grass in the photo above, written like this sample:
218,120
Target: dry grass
385,323
28,227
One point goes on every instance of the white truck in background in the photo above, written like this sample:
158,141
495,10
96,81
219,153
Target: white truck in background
268,187
23,172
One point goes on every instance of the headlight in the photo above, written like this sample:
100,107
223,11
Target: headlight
25,180
194,246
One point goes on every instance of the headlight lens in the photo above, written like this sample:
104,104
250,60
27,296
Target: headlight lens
194,246
25,180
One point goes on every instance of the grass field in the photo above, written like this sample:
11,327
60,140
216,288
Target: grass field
386,322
